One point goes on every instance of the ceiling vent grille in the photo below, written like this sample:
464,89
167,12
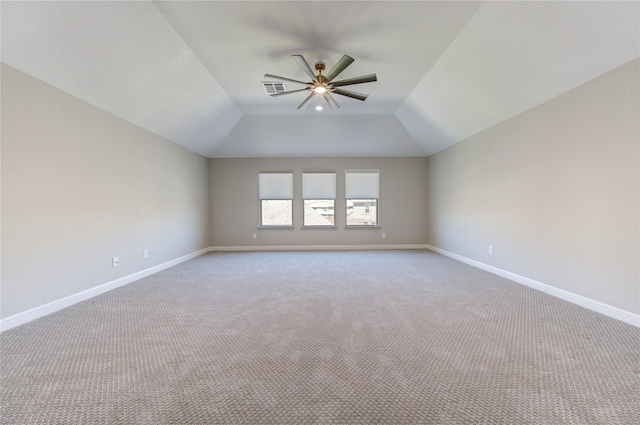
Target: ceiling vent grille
273,88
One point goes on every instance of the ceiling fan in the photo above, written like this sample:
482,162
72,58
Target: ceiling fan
324,84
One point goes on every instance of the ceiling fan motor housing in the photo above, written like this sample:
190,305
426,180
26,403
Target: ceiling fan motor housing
325,85
320,68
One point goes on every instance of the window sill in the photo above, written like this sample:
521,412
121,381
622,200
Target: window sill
275,227
318,227
362,227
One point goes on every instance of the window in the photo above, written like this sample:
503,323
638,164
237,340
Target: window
276,199
362,189
319,198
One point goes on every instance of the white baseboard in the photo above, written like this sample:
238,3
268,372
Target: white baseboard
316,247
37,312
613,312
43,310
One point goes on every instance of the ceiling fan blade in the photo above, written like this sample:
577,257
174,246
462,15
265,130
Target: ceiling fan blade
289,92
330,101
344,62
306,101
357,80
286,79
351,94
305,67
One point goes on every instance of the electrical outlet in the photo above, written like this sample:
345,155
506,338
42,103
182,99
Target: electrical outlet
384,235
255,236
145,253
115,262
490,250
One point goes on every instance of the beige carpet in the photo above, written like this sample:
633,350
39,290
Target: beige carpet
374,337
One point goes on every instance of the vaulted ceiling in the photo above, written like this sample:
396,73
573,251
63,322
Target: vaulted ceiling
192,71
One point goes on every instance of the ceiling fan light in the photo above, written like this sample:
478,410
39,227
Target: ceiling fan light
324,85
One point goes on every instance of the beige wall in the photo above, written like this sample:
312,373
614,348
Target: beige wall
233,186
554,190
80,186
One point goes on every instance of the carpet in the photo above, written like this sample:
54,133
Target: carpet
344,337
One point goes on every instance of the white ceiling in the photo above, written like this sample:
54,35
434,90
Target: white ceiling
192,71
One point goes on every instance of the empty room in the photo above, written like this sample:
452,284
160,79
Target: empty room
320,212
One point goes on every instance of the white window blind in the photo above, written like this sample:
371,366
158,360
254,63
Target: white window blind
275,185
318,185
362,184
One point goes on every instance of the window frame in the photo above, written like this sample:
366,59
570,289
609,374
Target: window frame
320,226
314,190
264,185
274,226
369,192
370,213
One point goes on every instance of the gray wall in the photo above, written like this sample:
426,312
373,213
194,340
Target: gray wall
80,186
233,186
554,190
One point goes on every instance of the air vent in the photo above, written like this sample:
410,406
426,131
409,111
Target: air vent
273,88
